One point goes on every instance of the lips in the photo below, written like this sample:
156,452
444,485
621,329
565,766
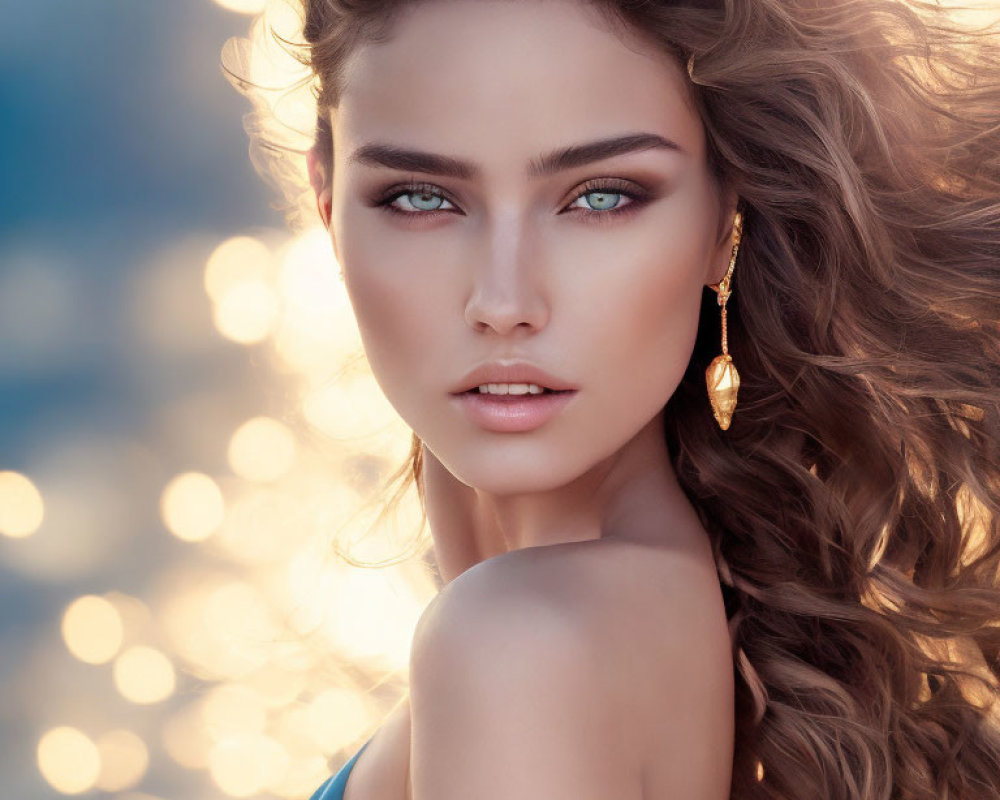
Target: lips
511,372
511,413
545,390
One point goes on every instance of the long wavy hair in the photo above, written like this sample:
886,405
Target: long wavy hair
854,504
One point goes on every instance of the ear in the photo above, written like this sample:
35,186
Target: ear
320,181
723,249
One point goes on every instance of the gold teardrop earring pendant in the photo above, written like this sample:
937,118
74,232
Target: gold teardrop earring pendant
721,376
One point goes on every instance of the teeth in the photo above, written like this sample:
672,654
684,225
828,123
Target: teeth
510,388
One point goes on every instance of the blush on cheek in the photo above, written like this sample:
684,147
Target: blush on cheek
399,312
664,308
384,310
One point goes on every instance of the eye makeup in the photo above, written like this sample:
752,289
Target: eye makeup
636,197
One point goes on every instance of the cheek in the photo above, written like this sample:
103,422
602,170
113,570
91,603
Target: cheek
647,300
640,317
387,314
666,314
391,290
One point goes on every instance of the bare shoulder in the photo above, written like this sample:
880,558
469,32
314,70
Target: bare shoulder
611,592
578,663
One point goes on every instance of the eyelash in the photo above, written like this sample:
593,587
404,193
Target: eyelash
636,199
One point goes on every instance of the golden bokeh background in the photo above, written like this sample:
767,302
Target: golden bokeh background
216,605
192,448
248,653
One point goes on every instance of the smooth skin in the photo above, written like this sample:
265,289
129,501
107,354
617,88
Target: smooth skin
579,647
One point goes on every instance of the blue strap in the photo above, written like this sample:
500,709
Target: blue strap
333,787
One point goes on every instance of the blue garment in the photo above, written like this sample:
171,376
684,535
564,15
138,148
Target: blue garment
333,787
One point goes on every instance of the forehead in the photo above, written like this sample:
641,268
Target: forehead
510,77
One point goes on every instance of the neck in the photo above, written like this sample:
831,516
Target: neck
631,496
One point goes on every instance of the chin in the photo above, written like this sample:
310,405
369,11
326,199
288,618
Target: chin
486,470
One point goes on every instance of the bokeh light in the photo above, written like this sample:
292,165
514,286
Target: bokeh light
302,777
334,717
247,312
261,526
243,6
192,506
277,685
186,739
236,260
230,708
242,625
89,514
92,629
262,450
144,675
245,764
355,414
223,629
21,506
318,332
124,760
68,759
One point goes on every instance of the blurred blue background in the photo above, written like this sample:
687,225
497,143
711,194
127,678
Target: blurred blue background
178,446
120,135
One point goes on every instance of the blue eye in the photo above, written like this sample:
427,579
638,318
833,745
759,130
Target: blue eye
422,200
427,199
604,201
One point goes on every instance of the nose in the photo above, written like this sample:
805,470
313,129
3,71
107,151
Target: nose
507,291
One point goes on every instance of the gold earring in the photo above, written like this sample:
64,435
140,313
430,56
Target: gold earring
721,376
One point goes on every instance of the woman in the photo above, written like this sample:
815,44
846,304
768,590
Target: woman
692,308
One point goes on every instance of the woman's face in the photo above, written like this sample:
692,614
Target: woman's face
589,265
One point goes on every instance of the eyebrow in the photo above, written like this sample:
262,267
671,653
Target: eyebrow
392,156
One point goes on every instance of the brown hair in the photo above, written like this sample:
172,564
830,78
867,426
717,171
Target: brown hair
854,504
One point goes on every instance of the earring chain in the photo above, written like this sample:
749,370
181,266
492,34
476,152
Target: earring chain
722,288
